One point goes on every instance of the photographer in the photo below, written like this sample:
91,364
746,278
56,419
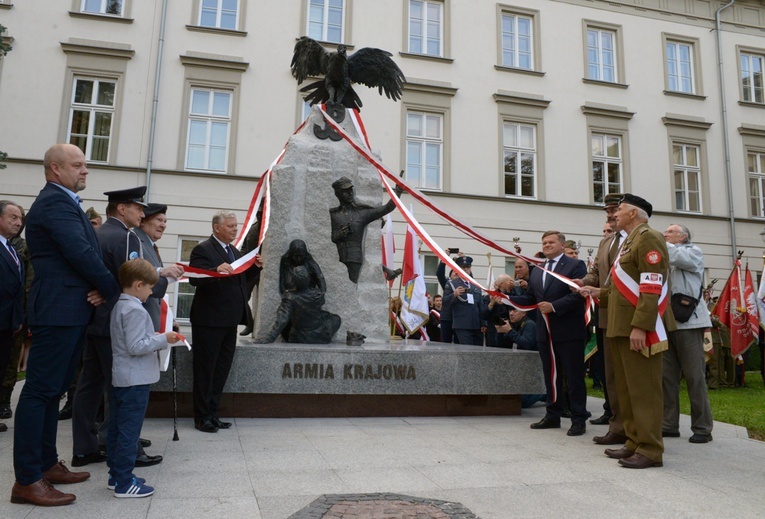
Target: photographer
686,344
519,333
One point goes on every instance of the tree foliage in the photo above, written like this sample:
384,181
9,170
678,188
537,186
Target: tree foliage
5,48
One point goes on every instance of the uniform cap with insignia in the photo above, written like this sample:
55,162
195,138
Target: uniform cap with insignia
571,244
92,214
464,261
612,200
637,201
342,183
132,195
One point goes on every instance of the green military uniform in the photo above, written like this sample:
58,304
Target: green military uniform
639,374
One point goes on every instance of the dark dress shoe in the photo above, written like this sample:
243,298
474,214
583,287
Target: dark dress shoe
638,461
576,429
59,474
547,423
80,460
619,454
700,438
66,411
603,420
610,439
144,442
206,426
144,460
40,493
247,331
5,410
3,427
667,434
219,424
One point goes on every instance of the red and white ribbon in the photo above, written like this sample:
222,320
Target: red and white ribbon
630,289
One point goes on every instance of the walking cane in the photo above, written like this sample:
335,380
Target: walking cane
175,397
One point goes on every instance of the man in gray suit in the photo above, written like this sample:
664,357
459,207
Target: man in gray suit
152,228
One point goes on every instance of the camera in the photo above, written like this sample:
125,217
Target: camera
498,321
453,250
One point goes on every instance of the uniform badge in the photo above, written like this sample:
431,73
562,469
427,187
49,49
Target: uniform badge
133,255
653,257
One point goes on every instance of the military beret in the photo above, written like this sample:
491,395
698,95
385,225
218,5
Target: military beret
153,209
132,195
637,201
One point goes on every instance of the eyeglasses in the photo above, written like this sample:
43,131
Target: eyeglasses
607,231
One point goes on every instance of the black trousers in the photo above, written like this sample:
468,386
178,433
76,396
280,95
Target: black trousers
568,358
213,352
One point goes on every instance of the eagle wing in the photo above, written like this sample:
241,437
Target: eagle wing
308,59
375,68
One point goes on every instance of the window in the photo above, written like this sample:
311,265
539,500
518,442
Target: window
517,41
220,14
208,131
429,264
113,7
687,172
520,159
756,168
606,153
184,294
90,117
424,149
680,67
325,20
601,55
752,69
426,27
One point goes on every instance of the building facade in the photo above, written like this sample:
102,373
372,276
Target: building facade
516,117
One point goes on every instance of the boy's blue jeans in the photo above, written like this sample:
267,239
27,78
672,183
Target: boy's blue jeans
128,407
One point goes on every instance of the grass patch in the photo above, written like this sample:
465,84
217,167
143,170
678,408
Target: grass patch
739,406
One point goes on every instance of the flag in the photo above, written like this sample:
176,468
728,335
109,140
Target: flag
752,311
414,304
166,320
736,314
388,246
490,274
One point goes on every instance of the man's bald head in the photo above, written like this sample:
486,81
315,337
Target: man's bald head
65,164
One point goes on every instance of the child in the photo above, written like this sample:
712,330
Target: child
135,367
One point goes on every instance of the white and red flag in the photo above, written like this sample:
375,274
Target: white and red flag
737,310
414,303
166,319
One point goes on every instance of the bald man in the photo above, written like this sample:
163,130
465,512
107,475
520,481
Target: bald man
70,281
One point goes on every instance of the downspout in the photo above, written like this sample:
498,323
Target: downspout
726,142
155,101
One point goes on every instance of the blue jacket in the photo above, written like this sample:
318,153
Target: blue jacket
11,290
66,260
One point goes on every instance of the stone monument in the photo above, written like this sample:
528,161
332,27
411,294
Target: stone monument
301,198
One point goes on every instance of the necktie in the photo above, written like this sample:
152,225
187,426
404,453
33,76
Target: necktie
549,265
614,250
230,253
156,250
12,251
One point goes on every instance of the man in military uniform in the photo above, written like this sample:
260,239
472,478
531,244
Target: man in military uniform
638,320
600,276
468,323
349,223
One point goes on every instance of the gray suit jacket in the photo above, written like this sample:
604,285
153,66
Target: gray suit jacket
134,344
152,304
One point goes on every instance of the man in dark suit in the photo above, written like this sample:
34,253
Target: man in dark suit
468,322
70,279
220,304
562,348
152,228
11,283
118,244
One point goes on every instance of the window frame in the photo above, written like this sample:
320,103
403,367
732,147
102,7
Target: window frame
519,151
690,131
177,293
195,19
210,119
759,177
430,278
608,120
442,29
535,27
606,160
695,62
424,141
687,170
79,6
93,108
218,15
750,52
324,23
618,51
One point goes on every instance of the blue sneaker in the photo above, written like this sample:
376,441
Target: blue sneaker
133,489
113,482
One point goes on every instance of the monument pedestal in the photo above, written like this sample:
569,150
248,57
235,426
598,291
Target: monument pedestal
401,378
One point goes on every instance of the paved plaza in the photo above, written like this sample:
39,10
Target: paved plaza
495,467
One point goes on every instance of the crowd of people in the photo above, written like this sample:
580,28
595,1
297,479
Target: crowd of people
92,288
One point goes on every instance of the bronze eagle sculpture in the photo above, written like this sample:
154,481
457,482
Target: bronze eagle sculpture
368,66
